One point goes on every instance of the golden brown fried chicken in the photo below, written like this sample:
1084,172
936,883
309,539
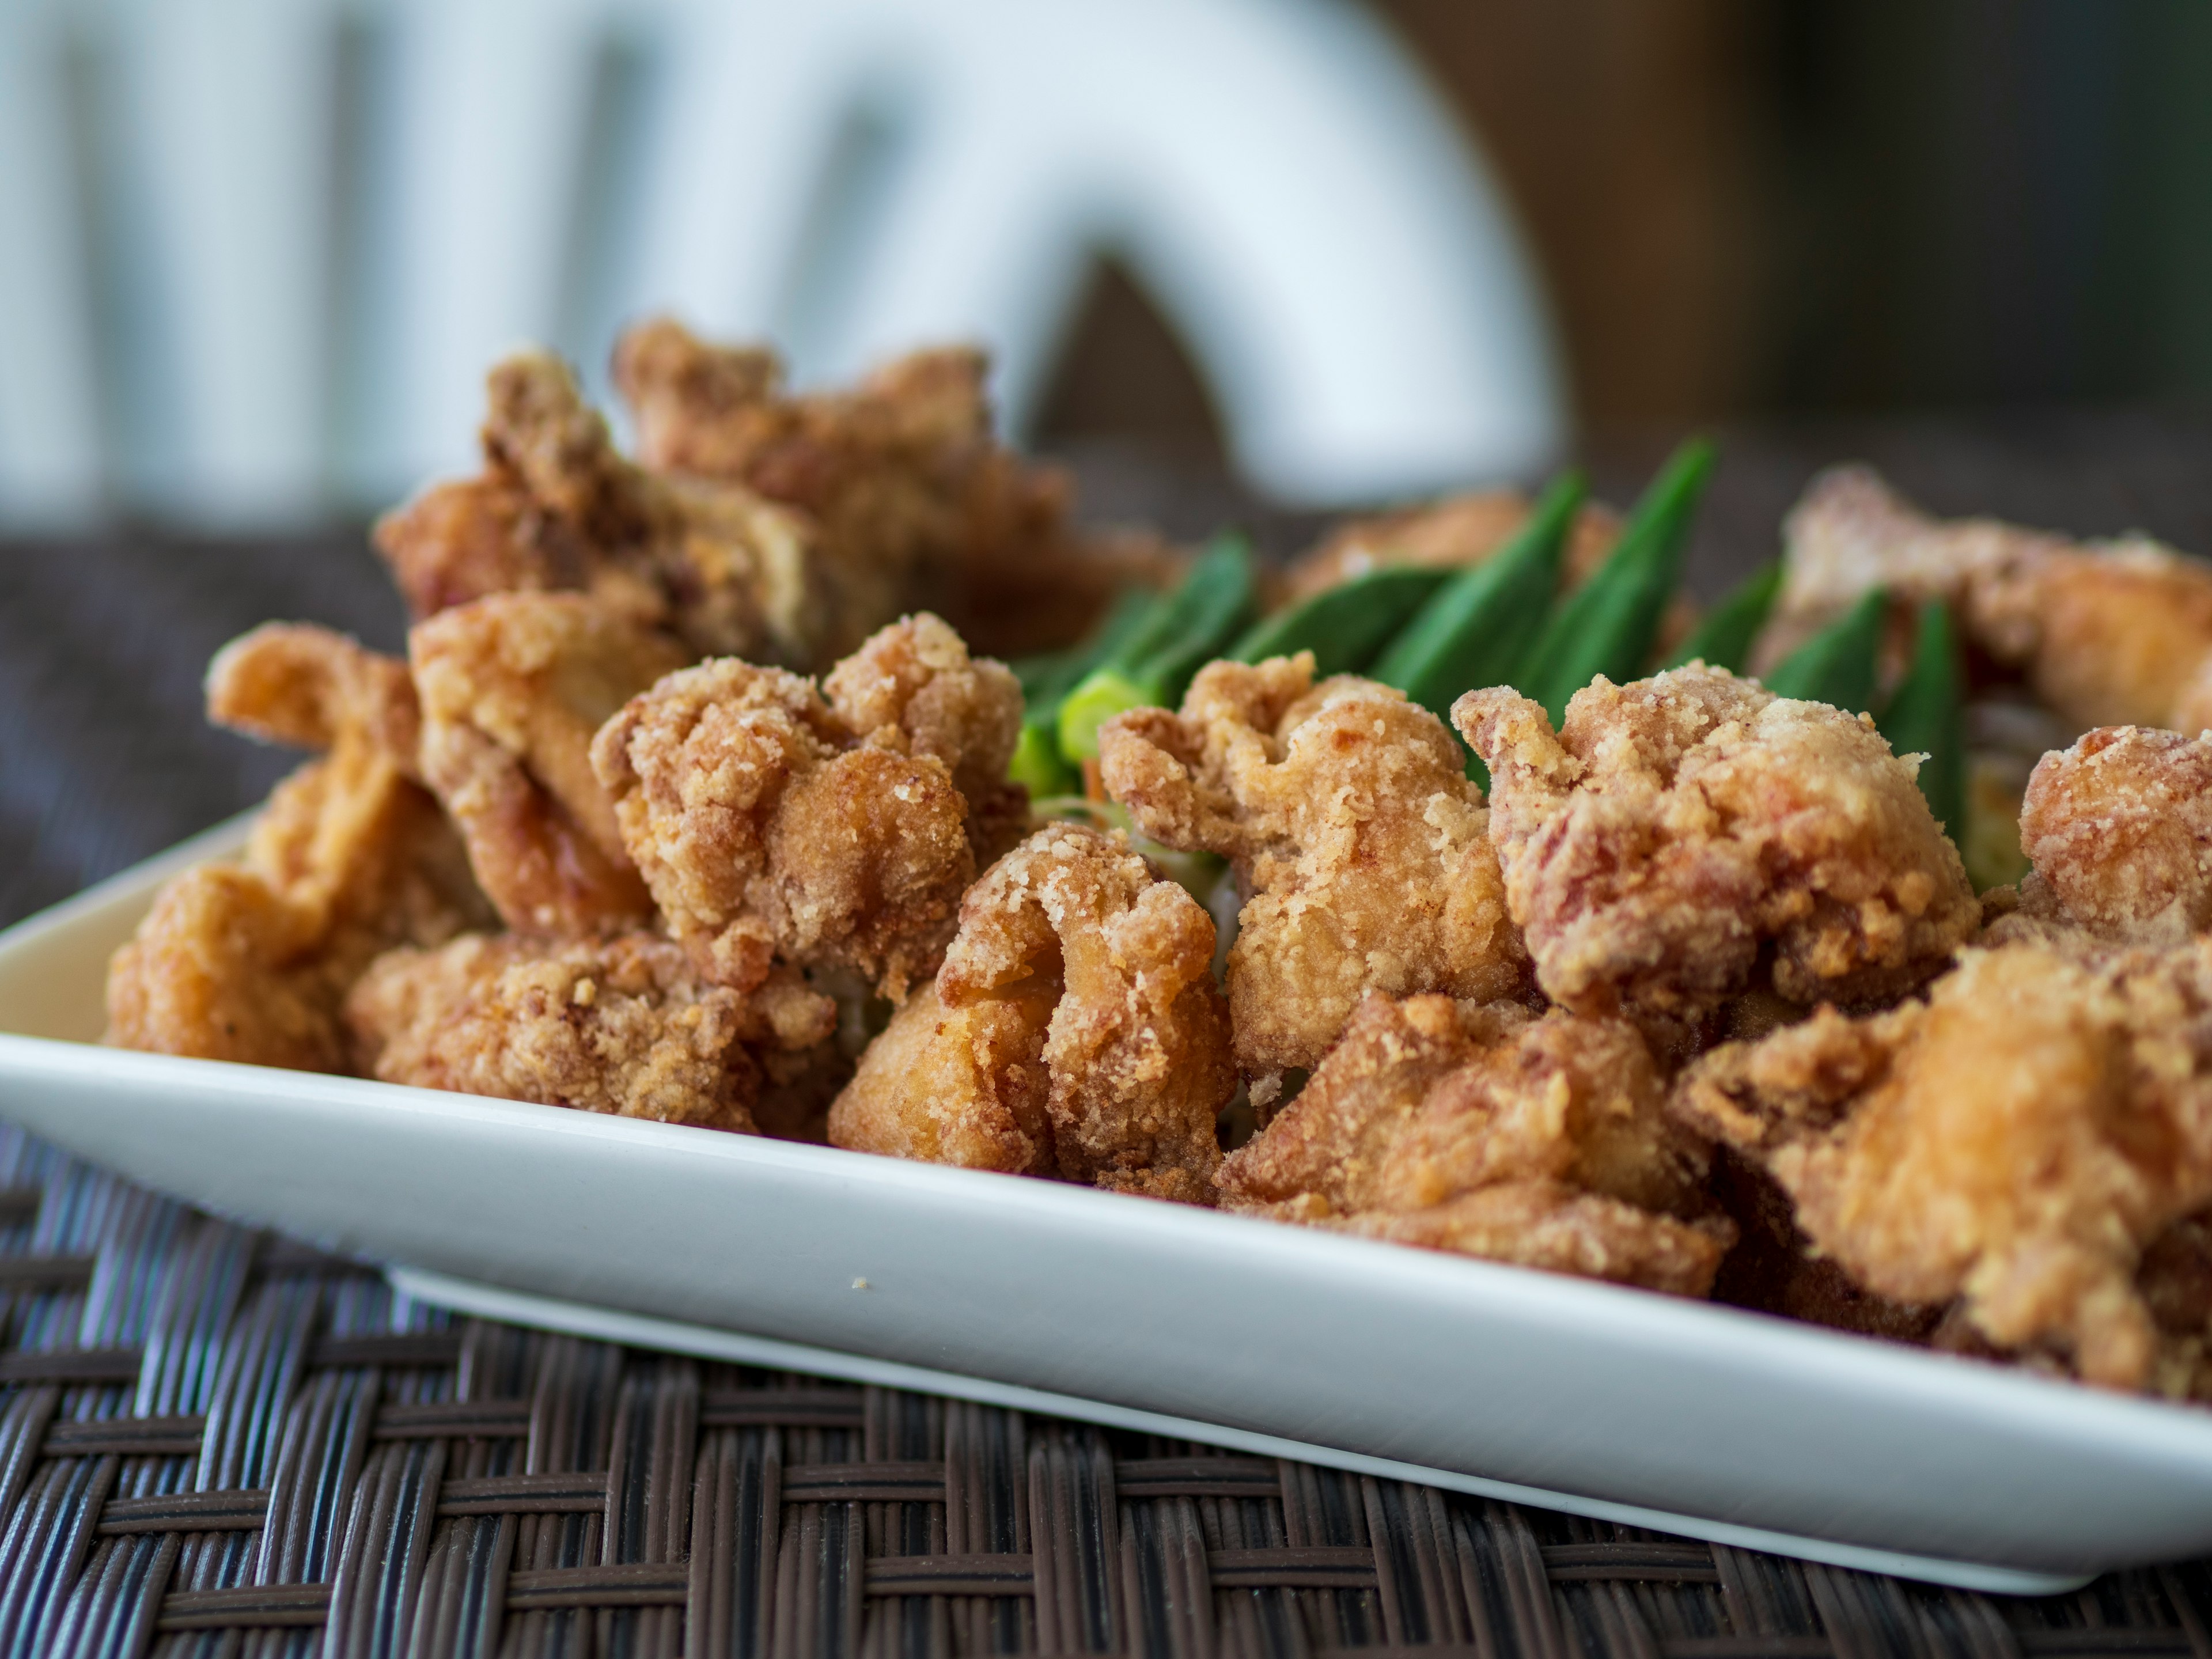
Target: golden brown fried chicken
2015,1143
2107,635
296,683
512,687
620,1025
1075,1030
769,821
913,503
1483,1130
1680,828
558,508
913,688
1363,848
350,856
2119,828
223,967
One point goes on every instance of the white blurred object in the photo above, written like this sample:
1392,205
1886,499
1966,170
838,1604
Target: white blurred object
240,286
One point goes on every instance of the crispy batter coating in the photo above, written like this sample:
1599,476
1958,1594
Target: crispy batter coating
913,688
913,503
350,856
558,508
1075,1030
223,968
1679,827
1483,1130
512,687
2119,828
2116,634
966,1087
619,1025
767,820
296,683
2015,1143
1363,848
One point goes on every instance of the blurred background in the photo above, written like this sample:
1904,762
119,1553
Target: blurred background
259,251
1249,259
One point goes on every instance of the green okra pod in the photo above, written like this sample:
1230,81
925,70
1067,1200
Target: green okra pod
1344,626
1927,716
1048,677
1723,635
1838,664
1607,626
1476,631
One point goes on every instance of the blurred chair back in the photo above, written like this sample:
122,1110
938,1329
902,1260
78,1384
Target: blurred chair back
257,253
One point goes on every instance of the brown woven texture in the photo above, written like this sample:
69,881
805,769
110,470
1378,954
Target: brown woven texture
213,1441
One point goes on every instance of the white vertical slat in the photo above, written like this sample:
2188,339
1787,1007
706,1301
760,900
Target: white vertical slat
988,236
50,440
228,109
1345,270
494,99
753,96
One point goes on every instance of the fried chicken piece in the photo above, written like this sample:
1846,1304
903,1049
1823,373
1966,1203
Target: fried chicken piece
297,684
1363,848
767,820
2119,828
1680,827
1075,1032
2015,1143
513,687
352,837
619,1025
913,688
966,1087
1479,1129
2108,634
558,508
247,963
222,968
914,504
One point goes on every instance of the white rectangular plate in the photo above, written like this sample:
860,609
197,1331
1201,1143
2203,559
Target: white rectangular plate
1606,1401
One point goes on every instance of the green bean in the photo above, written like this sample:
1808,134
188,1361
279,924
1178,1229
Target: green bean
1037,764
1344,626
1177,639
1051,675
1837,664
1927,717
1607,626
1723,636
1476,631
1046,681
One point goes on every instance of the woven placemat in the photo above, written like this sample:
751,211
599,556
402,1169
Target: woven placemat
213,1442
